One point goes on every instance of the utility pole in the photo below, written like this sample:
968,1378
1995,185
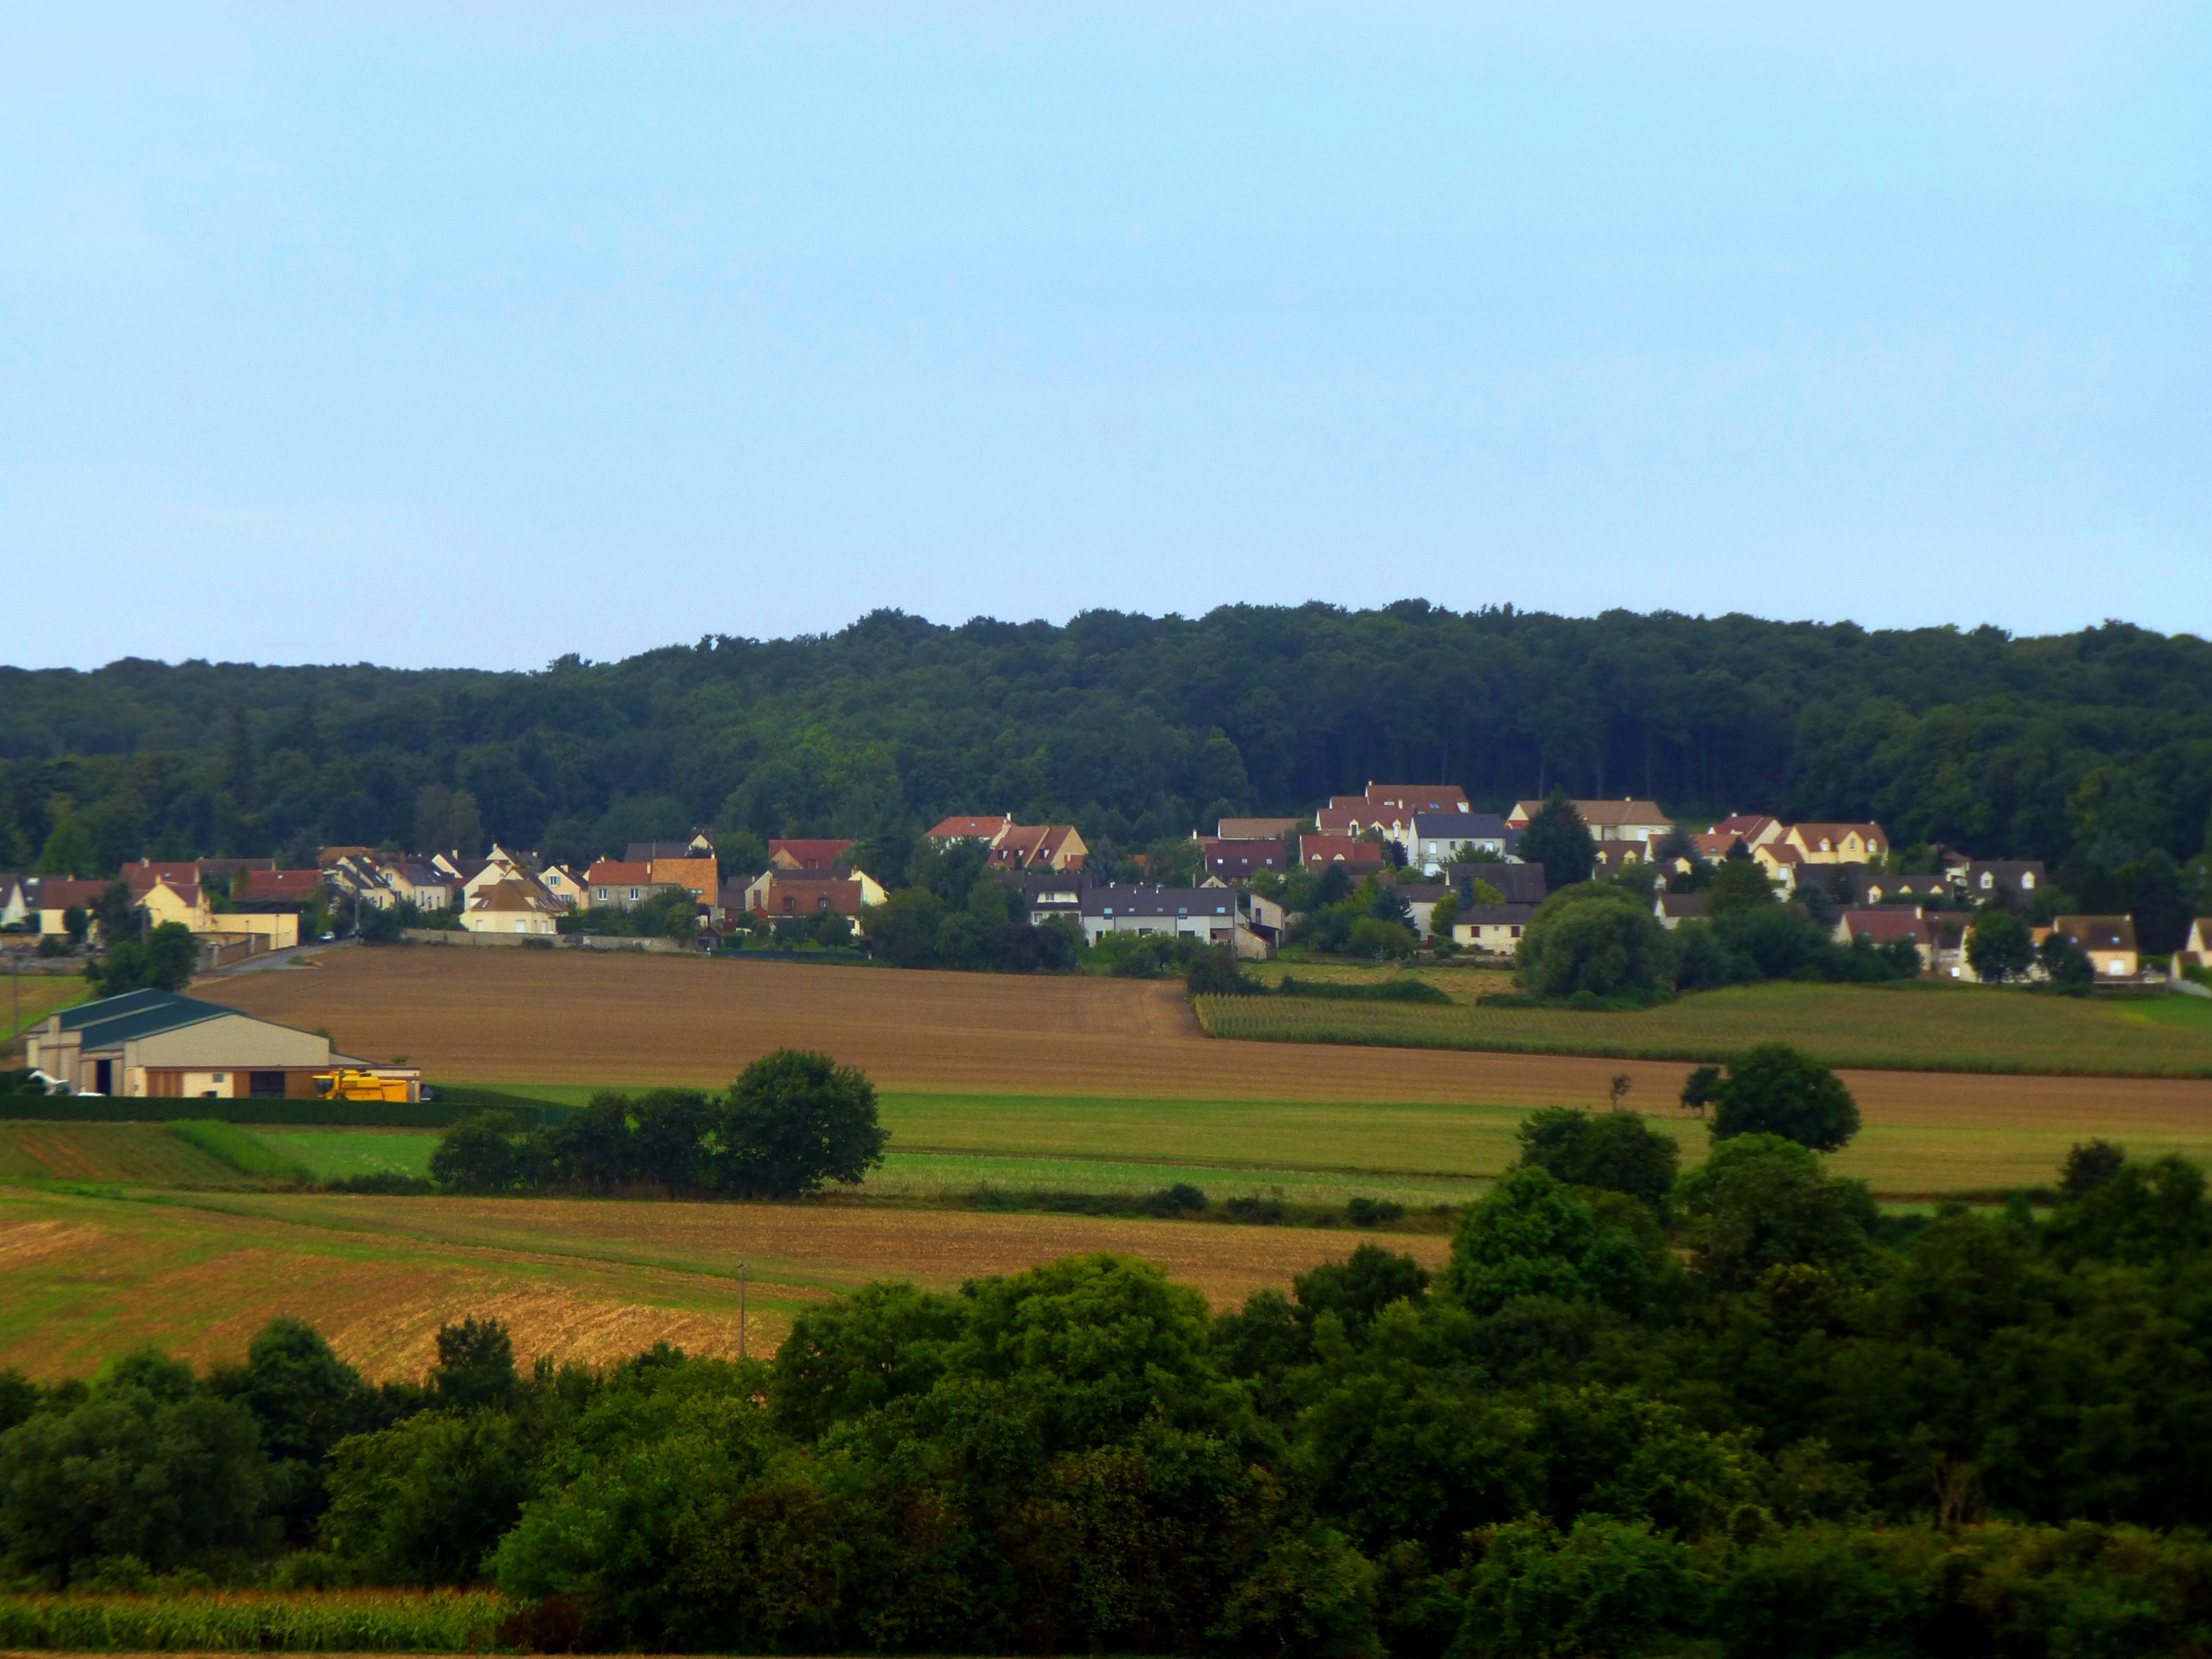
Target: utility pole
741,1310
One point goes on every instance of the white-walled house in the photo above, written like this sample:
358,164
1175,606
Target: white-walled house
1213,915
1496,928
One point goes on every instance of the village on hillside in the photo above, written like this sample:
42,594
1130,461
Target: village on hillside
1450,879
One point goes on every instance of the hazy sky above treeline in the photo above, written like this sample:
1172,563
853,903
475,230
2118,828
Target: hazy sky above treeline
474,336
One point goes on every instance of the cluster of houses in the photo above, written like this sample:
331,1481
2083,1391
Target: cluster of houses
1419,834
1427,840
237,906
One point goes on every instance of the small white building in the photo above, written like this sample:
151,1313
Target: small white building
1496,928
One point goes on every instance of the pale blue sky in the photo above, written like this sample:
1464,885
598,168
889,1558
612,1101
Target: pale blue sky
475,335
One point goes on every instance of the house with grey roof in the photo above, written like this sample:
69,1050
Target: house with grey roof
1212,914
1435,839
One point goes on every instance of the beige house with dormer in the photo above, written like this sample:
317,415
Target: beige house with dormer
1836,843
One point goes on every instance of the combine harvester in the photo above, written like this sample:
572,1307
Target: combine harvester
347,1084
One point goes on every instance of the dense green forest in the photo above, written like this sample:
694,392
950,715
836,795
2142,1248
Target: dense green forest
1732,1413
2090,749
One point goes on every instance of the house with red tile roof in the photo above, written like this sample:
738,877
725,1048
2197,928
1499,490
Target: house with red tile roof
960,828
1887,925
1319,852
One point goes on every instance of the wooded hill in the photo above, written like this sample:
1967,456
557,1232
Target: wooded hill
2086,750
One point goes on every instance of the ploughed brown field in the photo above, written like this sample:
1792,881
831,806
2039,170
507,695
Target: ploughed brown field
492,1016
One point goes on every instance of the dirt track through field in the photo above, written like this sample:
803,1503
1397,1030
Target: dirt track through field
491,1016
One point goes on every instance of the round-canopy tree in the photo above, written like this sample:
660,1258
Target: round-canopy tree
797,1119
1774,1090
1595,938
2001,946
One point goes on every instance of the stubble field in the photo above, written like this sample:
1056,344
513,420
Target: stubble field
85,1275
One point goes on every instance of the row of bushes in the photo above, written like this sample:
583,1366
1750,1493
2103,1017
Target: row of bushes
791,1121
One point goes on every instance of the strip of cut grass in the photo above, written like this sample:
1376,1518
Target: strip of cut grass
334,1154
1919,1026
932,1175
240,1149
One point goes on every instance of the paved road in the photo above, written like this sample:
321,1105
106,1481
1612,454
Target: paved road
295,955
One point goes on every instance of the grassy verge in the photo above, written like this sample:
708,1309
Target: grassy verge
933,1175
1913,1027
304,1621
226,1143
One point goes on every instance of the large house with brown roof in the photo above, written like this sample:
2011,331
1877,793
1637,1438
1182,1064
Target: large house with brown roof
1319,852
959,827
1012,845
517,905
2109,942
1390,808
1752,828
1039,846
1242,859
1255,828
1626,819
55,896
793,854
1888,925
777,892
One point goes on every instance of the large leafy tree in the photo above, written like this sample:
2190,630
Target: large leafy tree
1595,938
1775,1089
797,1119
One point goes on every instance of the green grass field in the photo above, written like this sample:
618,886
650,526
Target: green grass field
1921,1026
334,1154
1414,1153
